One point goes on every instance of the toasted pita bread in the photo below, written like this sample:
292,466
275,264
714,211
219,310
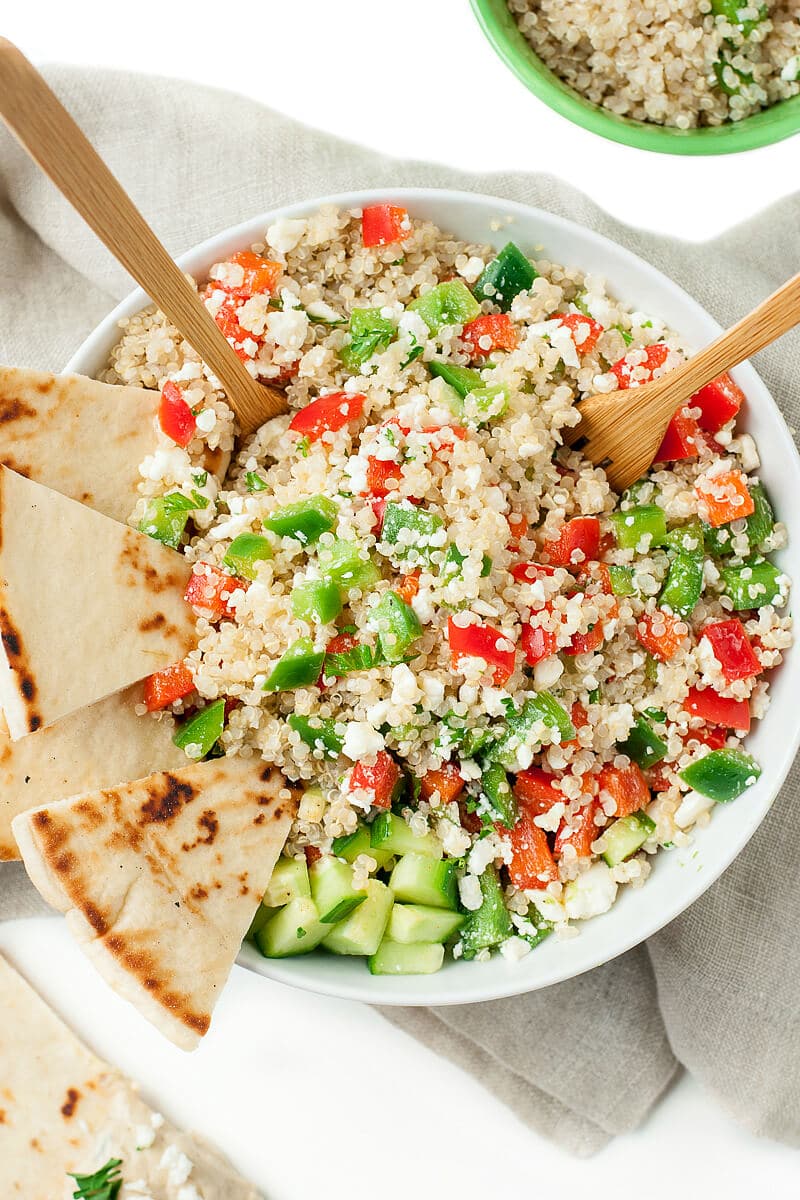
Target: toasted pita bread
96,747
87,606
160,879
64,1110
82,438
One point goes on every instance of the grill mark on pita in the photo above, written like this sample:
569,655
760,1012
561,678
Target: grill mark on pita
166,800
207,821
14,409
95,918
131,556
143,967
151,624
13,465
20,665
45,386
70,1103
2,1116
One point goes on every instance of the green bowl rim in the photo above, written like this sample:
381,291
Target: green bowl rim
772,125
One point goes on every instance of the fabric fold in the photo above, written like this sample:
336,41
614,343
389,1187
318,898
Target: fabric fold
716,990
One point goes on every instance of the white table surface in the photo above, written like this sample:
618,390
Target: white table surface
312,1096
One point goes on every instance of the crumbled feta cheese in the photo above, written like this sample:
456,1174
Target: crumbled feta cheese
469,890
514,949
144,1137
177,1165
288,329
404,685
361,741
285,234
591,894
692,806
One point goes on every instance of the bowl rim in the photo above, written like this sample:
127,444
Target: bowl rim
764,128
476,983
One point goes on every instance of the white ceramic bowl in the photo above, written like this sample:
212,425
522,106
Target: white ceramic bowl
679,876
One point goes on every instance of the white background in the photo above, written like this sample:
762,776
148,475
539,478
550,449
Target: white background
311,1096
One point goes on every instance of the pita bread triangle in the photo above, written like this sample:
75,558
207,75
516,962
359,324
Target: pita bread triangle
81,437
95,747
160,879
64,1110
87,605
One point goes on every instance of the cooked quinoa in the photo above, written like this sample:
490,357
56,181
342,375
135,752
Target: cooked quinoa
672,62
461,621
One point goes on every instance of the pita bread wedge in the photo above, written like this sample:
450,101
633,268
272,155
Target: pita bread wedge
93,748
82,438
64,1110
87,606
160,879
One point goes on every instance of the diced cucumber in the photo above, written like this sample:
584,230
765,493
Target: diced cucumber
262,915
391,834
332,889
288,881
625,837
351,845
295,929
490,924
361,932
420,879
421,923
396,958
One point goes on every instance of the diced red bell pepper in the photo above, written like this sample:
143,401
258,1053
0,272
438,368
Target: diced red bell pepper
532,864
497,327
226,318
536,791
654,357
518,526
383,779
327,414
583,328
628,787
481,641
408,587
586,643
732,649
165,687
530,572
209,593
656,632
378,506
718,710
537,643
723,497
682,439
384,224
715,739
260,274
447,781
578,715
174,415
580,534
657,778
580,832
379,472
340,643
719,401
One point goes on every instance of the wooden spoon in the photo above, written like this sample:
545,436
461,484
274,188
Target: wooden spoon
51,137
623,430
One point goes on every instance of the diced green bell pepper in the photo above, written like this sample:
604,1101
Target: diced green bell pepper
744,584
461,379
476,739
722,775
730,9
165,517
319,733
686,539
422,523
644,520
541,707
316,600
369,332
490,924
621,580
643,745
450,303
505,277
397,626
304,521
244,552
498,793
481,405
299,666
684,584
348,565
203,730
453,559
761,521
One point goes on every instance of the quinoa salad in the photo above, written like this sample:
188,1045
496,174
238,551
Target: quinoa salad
670,62
502,688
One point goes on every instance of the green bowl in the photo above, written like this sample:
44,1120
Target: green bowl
762,129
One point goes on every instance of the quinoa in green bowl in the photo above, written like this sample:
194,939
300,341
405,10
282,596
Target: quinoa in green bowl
501,687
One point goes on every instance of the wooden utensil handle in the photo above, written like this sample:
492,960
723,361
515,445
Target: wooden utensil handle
775,316
51,137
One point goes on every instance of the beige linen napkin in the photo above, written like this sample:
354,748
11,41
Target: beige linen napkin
717,990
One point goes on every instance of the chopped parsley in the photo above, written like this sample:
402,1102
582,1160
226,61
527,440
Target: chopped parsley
104,1184
200,478
175,502
254,482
